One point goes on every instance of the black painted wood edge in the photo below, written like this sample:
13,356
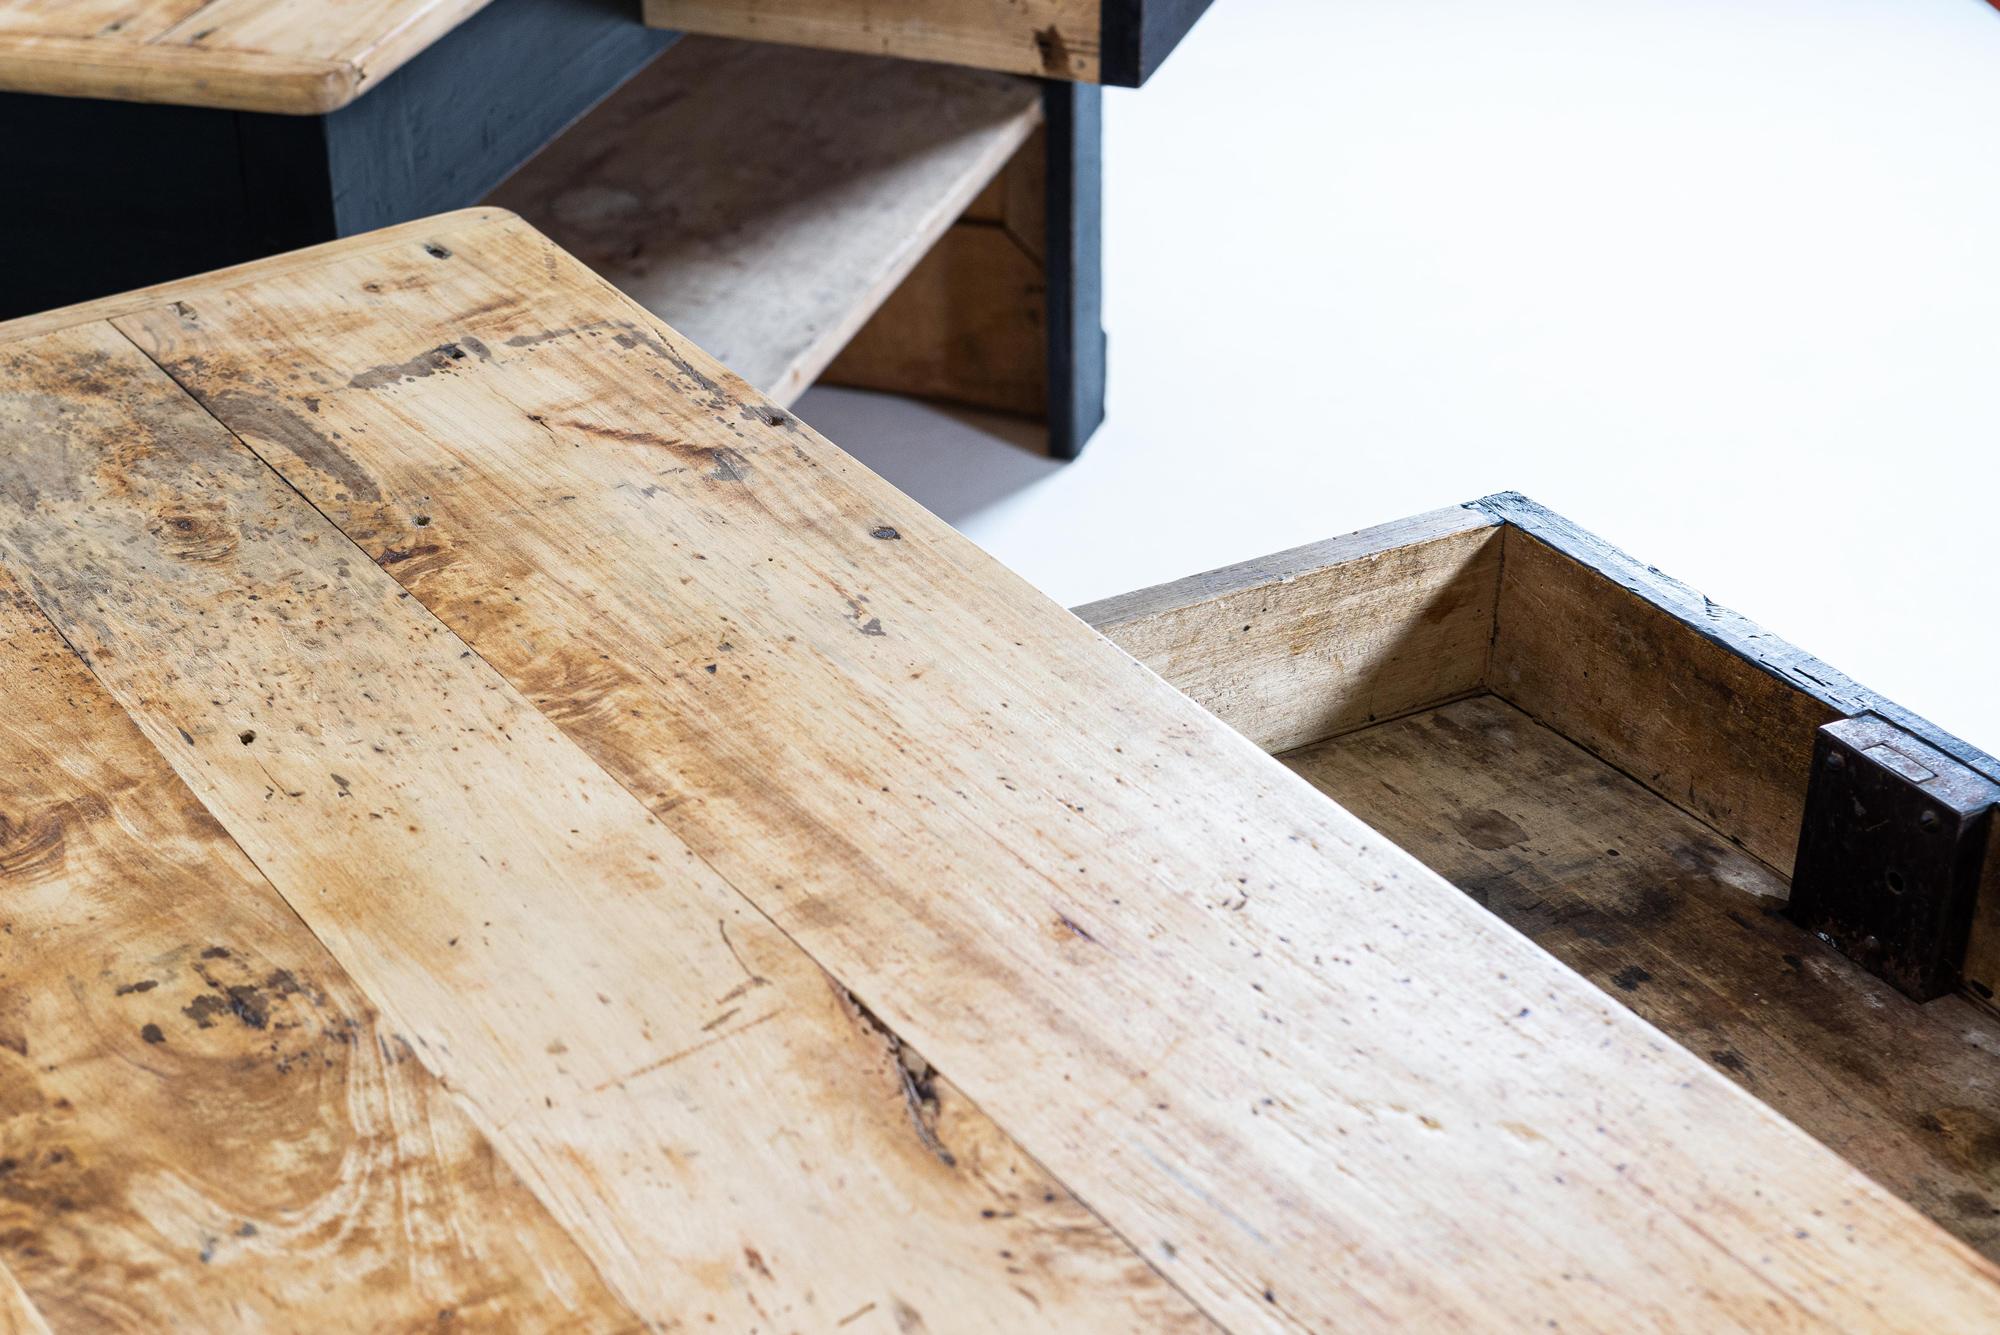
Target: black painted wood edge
1136,36
1774,656
1076,347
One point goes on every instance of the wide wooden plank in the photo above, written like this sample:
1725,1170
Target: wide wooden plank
202,1120
1051,38
286,56
772,244
1301,645
728,1135
1291,1064
1687,930
1710,730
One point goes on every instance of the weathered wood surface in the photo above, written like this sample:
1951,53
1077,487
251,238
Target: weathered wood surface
1050,38
202,1120
772,244
292,56
1646,902
1710,730
1290,1066
548,948
1297,646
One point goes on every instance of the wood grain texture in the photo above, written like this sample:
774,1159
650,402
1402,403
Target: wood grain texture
1706,728
285,56
18,1316
772,244
970,323
1281,1057
202,1120
727,1136
1301,645
1055,39
1646,902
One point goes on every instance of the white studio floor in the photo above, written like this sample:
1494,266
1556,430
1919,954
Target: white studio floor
1717,279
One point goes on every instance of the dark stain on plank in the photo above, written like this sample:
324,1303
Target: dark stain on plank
256,417
443,357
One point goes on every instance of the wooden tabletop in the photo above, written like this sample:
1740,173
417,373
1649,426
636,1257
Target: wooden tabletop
500,823
291,56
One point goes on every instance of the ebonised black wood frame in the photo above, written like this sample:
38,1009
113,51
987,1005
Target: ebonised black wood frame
1075,330
1135,36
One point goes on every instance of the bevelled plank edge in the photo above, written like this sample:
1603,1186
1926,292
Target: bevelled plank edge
954,32
177,75
160,294
370,58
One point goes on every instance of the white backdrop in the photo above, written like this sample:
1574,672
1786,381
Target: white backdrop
1718,280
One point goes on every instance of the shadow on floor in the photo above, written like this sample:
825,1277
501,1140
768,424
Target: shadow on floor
954,461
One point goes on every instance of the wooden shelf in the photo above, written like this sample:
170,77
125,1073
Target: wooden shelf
765,200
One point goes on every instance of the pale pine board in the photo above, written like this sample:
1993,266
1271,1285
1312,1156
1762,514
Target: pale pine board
726,1136
772,244
1295,1067
202,1121
287,56
1303,644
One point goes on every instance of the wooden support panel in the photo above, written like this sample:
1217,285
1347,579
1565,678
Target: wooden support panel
1006,312
766,200
1095,41
1309,643
970,325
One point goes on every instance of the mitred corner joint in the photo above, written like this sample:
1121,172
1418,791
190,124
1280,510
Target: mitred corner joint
1892,851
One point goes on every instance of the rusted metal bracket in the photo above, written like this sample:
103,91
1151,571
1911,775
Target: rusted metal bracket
1891,853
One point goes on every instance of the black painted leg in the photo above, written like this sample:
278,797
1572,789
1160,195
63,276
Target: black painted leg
1076,342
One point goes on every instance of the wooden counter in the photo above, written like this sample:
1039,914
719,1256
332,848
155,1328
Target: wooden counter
497,820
